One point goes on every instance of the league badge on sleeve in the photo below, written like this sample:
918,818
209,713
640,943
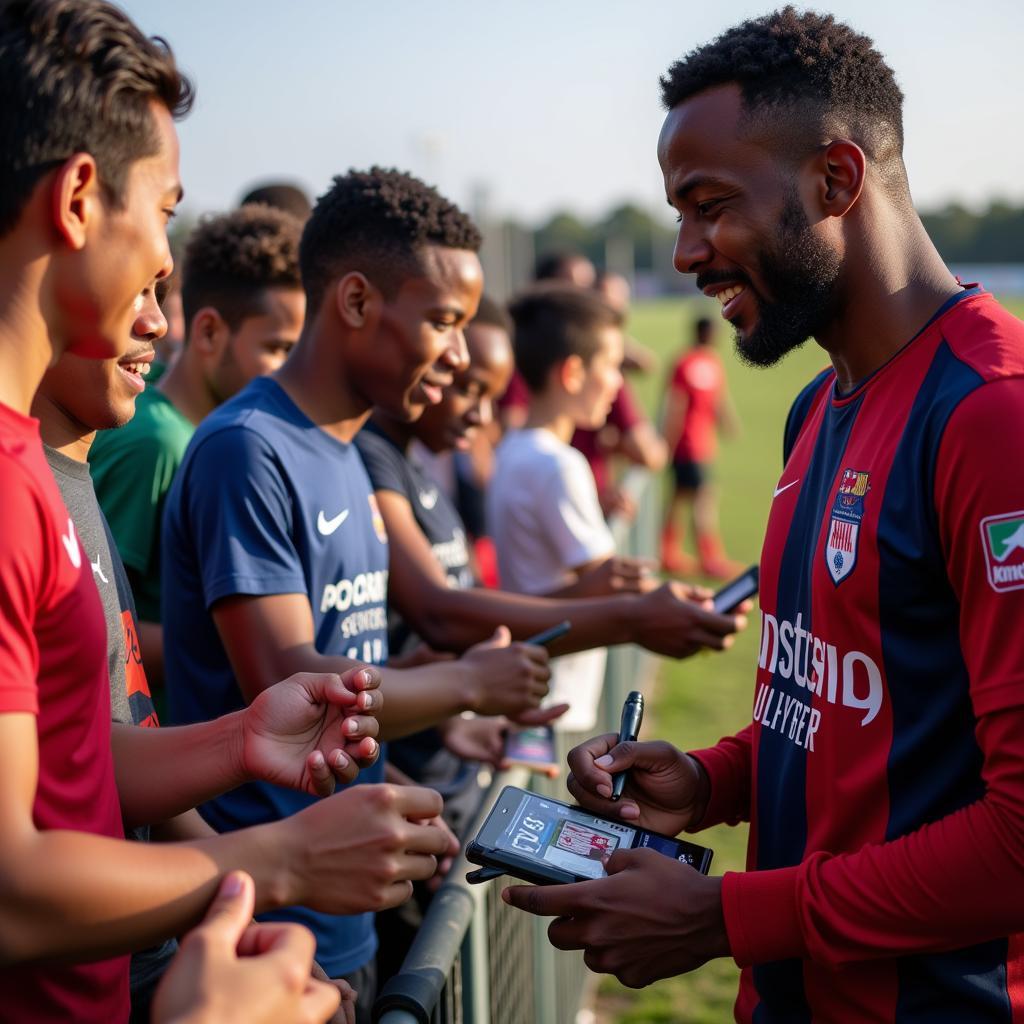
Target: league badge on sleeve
1002,537
844,524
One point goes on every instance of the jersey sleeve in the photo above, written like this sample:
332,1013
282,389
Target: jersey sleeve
728,767
959,880
240,512
979,499
952,883
384,464
570,513
22,569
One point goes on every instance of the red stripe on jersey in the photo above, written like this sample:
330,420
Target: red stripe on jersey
985,336
1015,976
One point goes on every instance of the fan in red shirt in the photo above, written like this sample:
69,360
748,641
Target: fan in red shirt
99,197
696,404
88,181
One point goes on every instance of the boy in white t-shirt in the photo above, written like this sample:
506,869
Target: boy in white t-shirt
543,508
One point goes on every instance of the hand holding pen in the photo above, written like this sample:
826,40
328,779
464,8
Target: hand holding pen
629,729
666,790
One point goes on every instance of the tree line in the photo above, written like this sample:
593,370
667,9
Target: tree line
992,235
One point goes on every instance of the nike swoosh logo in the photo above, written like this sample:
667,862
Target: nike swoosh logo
71,545
328,526
785,487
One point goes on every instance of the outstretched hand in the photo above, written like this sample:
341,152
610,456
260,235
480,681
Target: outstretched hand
313,730
509,678
679,620
620,574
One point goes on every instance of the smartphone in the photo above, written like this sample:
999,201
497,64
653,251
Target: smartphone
534,748
546,842
737,591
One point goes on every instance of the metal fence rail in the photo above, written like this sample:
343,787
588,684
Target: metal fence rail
475,960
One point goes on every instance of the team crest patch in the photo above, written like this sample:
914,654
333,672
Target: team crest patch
378,520
844,524
1002,537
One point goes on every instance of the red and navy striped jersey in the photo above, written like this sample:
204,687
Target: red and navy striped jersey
883,772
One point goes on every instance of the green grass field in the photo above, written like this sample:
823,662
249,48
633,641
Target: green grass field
701,699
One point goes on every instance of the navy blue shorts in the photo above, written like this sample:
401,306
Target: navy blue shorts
690,476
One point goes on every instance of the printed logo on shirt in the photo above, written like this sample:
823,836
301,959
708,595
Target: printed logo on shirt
428,499
363,602
844,524
1002,537
851,679
454,553
328,526
378,520
363,589
71,545
97,571
140,700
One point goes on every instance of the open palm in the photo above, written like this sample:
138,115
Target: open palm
313,730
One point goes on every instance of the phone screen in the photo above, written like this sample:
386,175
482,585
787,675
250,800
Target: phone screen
571,839
535,745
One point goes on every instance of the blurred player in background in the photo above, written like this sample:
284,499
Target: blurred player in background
696,405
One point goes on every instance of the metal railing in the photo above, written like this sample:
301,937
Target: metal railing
474,959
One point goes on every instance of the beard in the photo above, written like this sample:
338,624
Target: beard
801,273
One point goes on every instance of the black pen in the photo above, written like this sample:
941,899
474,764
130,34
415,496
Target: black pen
629,729
550,635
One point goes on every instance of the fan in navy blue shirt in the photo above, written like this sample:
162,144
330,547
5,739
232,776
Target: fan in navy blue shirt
274,548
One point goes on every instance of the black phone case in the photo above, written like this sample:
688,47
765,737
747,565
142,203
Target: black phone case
512,865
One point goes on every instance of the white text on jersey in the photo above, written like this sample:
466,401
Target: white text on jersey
791,652
366,588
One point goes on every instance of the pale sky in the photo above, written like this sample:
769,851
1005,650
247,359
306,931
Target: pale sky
546,105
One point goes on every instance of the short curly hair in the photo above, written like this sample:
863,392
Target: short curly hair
378,222
830,76
231,259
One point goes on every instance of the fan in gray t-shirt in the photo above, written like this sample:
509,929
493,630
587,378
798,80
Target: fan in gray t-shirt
130,700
